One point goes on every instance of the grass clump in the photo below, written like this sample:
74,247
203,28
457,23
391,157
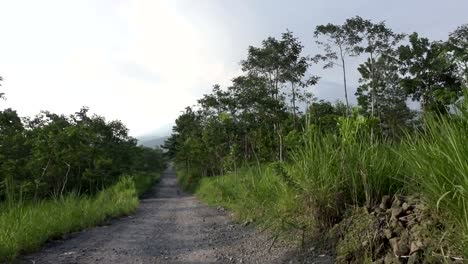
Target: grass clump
357,235
254,193
25,227
144,180
352,167
437,159
188,179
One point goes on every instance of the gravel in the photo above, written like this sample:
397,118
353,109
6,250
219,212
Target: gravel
172,227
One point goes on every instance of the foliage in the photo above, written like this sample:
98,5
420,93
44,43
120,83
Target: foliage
428,73
337,42
389,98
300,172
377,41
334,172
251,121
324,115
326,174
458,52
50,155
260,117
259,194
349,167
24,227
437,165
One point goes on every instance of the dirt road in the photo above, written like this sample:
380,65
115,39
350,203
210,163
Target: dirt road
169,227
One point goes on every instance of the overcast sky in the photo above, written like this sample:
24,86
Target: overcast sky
143,61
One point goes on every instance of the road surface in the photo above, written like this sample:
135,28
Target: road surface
169,227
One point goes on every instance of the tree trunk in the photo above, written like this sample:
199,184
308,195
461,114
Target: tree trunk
280,145
294,104
371,65
344,81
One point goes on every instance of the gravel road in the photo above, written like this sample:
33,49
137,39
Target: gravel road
170,227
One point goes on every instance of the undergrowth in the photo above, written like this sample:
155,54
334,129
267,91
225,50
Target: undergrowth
331,173
25,227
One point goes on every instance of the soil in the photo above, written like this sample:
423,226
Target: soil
171,226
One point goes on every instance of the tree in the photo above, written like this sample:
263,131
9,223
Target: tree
53,154
14,151
338,43
149,159
458,47
278,62
257,116
429,75
375,40
390,97
188,145
296,69
325,115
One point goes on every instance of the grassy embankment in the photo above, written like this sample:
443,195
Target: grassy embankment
25,227
332,174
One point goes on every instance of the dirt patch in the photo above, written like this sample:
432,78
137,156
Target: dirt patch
173,227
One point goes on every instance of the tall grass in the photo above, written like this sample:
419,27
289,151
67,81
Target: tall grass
326,175
254,193
332,172
144,180
352,167
25,227
437,159
188,179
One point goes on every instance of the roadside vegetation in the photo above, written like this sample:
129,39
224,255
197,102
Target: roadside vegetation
379,181
25,227
60,174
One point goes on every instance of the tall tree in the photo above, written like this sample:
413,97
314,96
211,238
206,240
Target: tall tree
391,107
296,68
375,40
279,62
337,43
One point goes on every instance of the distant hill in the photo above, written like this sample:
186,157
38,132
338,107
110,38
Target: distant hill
152,142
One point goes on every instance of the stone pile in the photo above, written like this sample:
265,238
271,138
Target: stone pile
400,230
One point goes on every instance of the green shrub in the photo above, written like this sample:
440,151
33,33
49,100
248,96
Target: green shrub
144,181
188,179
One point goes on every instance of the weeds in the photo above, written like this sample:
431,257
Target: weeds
25,227
437,160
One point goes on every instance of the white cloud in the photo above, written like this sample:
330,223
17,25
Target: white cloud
60,57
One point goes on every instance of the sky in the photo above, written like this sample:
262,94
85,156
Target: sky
144,61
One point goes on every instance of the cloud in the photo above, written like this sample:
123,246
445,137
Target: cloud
143,61
138,61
